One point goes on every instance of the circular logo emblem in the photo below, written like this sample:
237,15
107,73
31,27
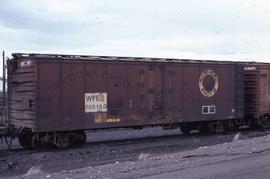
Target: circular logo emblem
208,83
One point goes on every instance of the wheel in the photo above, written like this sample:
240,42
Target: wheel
231,126
205,129
36,144
185,129
80,139
62,141
264,122
220,127
25,141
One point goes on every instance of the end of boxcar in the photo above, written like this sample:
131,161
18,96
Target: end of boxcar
257,93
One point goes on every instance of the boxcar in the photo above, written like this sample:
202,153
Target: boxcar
53,98
257,92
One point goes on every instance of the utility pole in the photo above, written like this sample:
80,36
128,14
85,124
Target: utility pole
4,80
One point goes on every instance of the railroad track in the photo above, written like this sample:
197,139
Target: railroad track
98,152
138,141
122,141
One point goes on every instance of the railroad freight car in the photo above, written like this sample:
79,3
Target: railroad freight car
257,93
54,98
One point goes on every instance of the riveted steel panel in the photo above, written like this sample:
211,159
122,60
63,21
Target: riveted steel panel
94,92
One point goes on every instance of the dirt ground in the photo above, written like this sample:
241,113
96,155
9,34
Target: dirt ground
150,153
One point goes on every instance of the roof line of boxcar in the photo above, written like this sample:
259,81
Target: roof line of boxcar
117,58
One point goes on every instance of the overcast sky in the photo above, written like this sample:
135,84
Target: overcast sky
205,29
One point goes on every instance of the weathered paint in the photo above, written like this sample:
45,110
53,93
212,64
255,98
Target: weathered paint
257,90
139,91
